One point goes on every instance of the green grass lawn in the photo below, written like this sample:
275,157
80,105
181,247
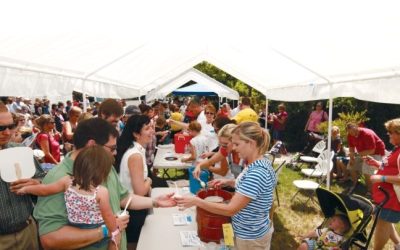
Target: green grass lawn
292,219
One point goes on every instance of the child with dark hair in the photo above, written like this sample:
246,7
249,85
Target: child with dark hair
87,201
327,238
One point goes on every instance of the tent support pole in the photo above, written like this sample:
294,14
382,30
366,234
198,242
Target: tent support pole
266,112
84,101
328,179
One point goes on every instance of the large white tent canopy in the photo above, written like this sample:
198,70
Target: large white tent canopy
292,51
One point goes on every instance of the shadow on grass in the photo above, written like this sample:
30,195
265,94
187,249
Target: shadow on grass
282,239
305,208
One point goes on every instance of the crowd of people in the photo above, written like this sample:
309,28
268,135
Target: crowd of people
103,160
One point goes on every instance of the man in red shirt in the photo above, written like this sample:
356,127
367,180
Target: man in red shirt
363,142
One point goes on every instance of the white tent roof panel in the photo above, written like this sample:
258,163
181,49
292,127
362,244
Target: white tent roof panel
120,49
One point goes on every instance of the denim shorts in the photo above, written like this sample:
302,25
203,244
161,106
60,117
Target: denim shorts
389,215
310,243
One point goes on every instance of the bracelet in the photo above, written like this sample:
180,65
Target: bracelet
105,231
383,178
155,203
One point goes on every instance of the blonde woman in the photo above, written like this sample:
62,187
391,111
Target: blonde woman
69,128
250,205
229,160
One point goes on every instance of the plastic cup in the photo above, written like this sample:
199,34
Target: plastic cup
123,213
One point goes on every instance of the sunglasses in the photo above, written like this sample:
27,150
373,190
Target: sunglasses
208,113
223,145
10,127
112,148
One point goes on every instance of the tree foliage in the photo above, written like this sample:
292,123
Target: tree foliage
299,111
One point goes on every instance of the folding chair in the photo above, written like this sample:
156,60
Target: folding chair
271,154
322,169
278,171
318,149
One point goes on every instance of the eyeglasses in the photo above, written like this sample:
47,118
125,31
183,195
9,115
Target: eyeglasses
112,148
391,132
208,113
223,145
10,127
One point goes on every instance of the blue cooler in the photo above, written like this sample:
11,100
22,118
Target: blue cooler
194,184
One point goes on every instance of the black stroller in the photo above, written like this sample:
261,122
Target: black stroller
358,209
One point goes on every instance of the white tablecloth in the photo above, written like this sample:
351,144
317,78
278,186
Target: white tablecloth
161,162
159,232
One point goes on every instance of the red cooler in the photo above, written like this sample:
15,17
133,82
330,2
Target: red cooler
180,140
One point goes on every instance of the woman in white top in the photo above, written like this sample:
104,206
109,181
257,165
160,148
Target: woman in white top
133,173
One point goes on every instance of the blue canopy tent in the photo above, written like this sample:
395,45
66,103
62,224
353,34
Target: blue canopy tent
196,89
207,89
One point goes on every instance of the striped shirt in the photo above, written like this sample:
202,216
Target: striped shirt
257,182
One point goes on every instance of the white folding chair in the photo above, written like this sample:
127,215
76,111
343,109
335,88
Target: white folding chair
322,169
318,149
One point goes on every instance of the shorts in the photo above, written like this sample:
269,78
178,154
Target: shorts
343,159
389,215
310,243
263,243
277,135
364,168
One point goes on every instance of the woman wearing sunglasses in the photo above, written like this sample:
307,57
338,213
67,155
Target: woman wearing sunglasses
207,128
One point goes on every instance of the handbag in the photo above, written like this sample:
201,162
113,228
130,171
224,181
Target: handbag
397,187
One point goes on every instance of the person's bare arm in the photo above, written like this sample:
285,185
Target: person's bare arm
103,199
46,189
140,185
237,202
68,237
140,202
192,156
180,124
281,120
222,170
68,131
367,152
207,163
308,121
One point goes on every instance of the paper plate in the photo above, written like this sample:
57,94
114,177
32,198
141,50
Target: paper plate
16,163
171,158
